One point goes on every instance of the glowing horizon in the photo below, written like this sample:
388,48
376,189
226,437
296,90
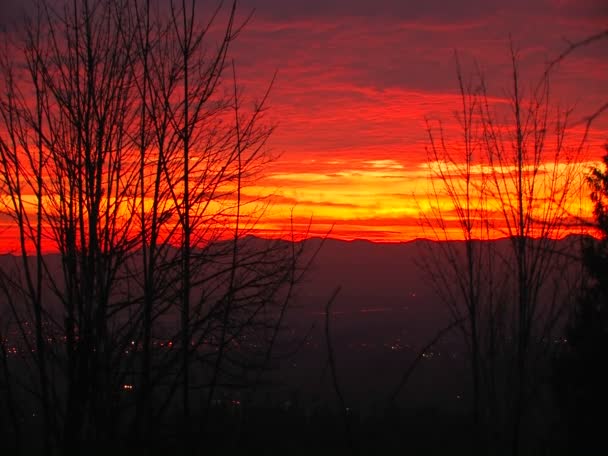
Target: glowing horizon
356,85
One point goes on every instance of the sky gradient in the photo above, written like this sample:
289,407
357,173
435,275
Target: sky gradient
357,81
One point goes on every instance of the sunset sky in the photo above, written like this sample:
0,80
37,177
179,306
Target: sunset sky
356,80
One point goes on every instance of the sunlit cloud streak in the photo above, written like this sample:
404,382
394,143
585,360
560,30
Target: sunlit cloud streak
357,82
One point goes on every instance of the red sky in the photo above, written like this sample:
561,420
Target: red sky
356,80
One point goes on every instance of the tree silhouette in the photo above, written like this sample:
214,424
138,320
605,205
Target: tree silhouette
580,374
125,146
505,178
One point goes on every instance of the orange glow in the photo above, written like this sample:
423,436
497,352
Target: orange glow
351,101
379,200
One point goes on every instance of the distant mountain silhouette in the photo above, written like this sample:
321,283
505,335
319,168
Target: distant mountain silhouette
373,276
385,312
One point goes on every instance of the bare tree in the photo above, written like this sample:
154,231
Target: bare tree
508,178
124,146
459,181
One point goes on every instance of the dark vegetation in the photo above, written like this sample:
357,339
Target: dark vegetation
161,325
580,370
